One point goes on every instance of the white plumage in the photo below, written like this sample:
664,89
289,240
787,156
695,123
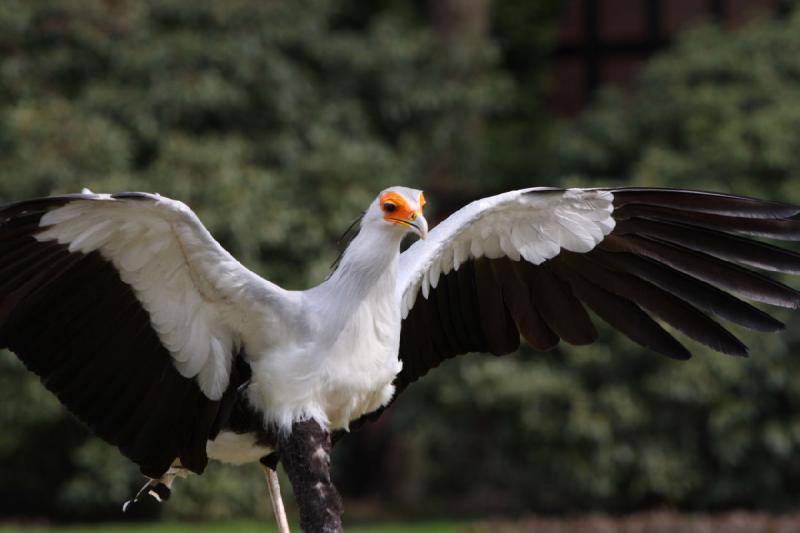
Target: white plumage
191,355
201,301
514,224
330,353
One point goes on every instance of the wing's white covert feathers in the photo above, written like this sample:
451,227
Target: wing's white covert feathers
183,278
530,224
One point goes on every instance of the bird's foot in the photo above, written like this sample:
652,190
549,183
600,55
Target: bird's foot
153,493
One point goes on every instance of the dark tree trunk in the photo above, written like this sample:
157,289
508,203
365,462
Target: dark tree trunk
462,29
305,454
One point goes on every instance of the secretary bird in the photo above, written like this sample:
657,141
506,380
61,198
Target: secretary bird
168,348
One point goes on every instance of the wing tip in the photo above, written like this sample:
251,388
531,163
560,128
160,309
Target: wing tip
713,202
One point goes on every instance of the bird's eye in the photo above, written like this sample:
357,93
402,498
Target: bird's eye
389,207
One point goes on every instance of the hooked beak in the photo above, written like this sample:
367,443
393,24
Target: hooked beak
416,221
419,224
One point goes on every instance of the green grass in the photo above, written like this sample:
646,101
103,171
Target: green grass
233,527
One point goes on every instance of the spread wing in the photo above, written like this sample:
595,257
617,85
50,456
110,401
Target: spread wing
530,263
132,314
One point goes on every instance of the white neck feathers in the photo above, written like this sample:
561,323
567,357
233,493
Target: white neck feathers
369,264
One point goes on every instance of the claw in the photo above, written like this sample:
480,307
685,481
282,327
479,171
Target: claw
155,491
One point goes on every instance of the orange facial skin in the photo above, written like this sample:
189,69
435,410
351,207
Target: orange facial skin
402,212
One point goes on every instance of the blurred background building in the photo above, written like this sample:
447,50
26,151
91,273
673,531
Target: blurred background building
278,121
608,41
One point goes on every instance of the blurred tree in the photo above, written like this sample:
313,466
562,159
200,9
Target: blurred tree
610,426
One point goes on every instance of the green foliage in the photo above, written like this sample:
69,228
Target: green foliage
719,111
610,426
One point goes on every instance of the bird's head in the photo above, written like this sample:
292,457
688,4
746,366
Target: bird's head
399,209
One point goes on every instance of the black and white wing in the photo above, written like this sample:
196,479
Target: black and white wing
132,314
529,263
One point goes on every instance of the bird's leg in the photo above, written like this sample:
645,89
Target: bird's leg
305,454
154,491
274,487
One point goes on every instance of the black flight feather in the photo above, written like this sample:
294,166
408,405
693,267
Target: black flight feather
749,284
623,315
